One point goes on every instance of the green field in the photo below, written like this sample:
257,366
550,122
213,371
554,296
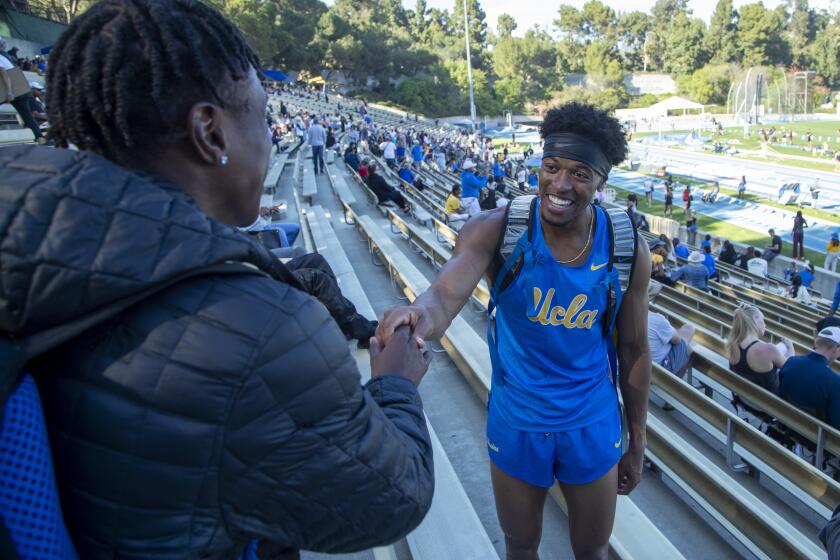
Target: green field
718,227
734,137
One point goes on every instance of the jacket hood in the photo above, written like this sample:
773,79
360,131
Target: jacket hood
78,232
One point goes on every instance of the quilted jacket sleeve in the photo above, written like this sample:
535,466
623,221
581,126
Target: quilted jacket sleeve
311,459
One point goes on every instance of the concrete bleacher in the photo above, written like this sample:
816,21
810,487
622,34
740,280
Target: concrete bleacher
451,529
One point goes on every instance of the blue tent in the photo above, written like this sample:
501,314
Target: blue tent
276,75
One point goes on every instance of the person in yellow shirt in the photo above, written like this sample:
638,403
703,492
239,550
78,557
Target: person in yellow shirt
832,251
453,208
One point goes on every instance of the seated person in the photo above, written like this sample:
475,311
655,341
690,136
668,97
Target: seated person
680,249
808,381
751,358
487,197
695,273
706,242
660,270
454,211
727,254
798,292
383,191
772,251
669,347
351,158
364,169
709,262
288,231
757,265
407,175
807,274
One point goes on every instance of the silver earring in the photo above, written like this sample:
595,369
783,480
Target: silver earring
223,159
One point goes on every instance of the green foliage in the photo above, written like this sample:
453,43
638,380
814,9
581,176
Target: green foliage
602,65
684,51
506,25
721,38
825,53
760,36
633,28
709,84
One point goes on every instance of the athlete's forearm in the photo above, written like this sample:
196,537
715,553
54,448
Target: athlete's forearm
634,382
439,313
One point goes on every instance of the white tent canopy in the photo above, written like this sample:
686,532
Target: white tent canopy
674,103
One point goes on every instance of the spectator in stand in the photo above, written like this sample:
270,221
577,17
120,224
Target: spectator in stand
742,187
417,155
751,358
499,176
772,251
351,158
695,273
364,169
383,191
691,227
300,131
407,175
809,383
798,292
22,102
709,262
36,102
728,254
400,151
680,250
832,251
669,347
533,186
706,242
807,274
389,152
276,138
189,392
317,137
455,212
799,225
757,265
744,257
658,260
521,177
470,187
331,141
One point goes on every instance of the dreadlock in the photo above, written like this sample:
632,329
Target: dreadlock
125,73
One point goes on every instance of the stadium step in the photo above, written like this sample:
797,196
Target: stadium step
452,528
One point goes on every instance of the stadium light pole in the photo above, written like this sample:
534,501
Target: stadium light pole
469,62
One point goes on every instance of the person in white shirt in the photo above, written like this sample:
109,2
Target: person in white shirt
669,347
521,177
389,152
317,137
649,191
757,265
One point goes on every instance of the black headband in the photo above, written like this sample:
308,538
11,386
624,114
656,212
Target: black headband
579,148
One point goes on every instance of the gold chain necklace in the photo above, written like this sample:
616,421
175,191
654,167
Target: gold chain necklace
588,240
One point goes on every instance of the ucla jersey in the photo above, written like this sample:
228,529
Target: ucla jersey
552,368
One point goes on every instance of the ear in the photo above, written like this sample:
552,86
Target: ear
205,133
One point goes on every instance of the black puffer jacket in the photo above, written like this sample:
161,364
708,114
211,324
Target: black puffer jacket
224,408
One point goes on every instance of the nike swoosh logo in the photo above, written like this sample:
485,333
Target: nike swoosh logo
617,444
598,266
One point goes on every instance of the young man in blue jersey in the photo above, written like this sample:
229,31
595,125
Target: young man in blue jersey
553,412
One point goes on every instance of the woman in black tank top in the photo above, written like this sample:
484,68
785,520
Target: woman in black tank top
746,348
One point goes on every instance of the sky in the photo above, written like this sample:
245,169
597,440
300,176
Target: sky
541,12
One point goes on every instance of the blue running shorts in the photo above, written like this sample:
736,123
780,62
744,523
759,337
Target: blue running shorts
577,456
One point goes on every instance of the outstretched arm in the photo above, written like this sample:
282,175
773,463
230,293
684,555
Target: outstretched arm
433,311
634,368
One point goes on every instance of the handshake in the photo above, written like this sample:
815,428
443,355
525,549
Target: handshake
398,348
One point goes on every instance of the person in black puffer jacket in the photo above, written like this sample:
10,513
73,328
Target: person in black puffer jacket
223,409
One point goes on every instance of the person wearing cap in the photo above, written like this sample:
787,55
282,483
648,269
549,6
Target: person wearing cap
36,102
832,250
669,347
694,273
470,187
809,383
553,413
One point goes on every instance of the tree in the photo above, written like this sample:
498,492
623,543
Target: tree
684,50
505,25
594,21
633,29
825,53
760,36
419,19
602,65
800,31
663,14
709,84
722,36
528,63
478,31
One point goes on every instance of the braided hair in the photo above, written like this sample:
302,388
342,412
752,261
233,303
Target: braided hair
125,74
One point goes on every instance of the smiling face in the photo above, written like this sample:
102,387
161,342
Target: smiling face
566,189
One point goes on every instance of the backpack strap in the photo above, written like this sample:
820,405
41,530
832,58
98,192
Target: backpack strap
623,247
